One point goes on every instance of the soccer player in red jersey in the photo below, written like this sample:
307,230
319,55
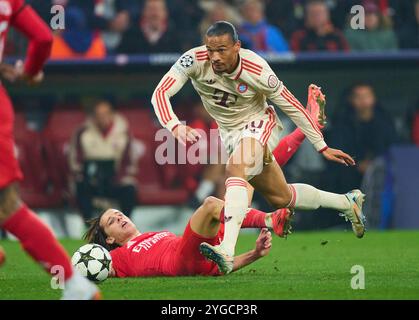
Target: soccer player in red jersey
15,217
136,254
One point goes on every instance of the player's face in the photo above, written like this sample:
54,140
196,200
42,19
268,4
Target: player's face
317,15
363,98
117,226
223,52
372,21
104,116
253,12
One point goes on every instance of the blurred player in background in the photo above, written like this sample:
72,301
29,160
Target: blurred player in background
15,217
234,84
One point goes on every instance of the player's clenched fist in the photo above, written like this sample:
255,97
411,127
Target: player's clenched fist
263,243
185,134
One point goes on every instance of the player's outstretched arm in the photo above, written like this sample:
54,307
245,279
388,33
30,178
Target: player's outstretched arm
299,115
289,145
27,21
263,246
277,92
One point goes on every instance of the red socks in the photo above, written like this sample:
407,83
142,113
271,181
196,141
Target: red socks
288,146
254,219
37,240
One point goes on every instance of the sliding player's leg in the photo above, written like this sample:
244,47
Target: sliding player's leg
272,184
203,227
206,219
279,221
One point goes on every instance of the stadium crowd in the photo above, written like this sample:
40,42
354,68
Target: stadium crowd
95,29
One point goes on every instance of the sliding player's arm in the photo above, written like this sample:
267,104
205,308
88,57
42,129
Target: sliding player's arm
169,85
276,91
28,22
263,246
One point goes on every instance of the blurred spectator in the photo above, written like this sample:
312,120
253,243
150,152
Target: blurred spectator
113,20
77,40
319,34
363,130
287,15
256,34
219,11
108,17
409,30
103,160
376,35
188,27
153,33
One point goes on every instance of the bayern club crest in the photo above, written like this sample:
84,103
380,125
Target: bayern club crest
186,61
272,81
242,87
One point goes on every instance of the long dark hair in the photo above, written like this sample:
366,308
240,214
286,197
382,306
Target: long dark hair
96,234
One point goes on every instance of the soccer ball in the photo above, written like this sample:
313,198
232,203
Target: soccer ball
93,261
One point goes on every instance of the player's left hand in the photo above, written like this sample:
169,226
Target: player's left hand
31,80
17,73
184,134
8,72
263,243
338,156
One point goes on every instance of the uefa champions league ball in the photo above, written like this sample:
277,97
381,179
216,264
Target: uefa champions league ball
93,261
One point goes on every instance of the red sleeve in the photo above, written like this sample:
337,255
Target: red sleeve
27,21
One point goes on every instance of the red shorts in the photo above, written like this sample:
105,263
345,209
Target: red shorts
9,166
191,261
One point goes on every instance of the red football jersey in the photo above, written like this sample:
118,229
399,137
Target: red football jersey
165,254
149,254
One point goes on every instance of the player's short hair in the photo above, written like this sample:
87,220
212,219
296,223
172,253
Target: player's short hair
221,28
96,234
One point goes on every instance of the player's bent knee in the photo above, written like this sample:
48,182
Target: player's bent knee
234,170
213,206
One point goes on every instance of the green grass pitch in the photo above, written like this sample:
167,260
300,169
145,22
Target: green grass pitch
308,265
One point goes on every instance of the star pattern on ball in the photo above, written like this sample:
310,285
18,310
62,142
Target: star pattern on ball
86,257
